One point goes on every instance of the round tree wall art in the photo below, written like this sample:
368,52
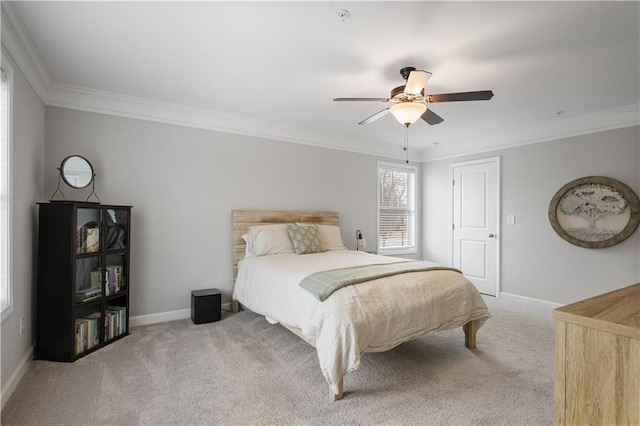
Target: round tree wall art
594,212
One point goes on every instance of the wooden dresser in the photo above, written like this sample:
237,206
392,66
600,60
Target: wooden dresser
597,380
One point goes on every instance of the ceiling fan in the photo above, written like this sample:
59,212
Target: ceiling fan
410,102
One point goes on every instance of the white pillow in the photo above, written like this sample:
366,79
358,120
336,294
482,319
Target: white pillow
264,240
247,247
330,236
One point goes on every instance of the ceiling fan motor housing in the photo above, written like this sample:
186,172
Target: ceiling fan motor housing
398,95
404,72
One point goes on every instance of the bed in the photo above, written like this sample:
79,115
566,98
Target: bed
285,265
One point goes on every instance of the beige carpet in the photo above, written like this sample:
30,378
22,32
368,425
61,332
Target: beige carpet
242,370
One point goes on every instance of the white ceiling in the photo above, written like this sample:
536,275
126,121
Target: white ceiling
272,68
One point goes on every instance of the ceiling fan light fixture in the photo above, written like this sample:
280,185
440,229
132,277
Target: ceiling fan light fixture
408,113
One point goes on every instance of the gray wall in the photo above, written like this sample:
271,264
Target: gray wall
183,184
27,188
535,261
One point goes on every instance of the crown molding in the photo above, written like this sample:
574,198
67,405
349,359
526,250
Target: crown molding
17,42
72,97
83,99
616,118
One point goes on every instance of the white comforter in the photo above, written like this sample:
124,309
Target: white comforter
373,316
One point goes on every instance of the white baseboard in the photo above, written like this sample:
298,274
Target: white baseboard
165,316
546,303
15,378
159,317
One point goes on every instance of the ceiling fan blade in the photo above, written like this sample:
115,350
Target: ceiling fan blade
431,117
360,99
416,82
374,117
481,95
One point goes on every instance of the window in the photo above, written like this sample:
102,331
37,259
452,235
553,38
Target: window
396,209
6,302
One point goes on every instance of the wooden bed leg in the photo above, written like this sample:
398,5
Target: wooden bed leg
340,394
235,306
470,330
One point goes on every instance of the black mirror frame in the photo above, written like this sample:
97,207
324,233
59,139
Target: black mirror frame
64,177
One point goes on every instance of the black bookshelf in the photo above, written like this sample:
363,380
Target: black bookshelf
83,278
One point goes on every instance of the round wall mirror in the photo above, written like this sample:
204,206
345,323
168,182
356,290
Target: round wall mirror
76,171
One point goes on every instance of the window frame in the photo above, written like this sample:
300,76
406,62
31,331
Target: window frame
407,249
6,285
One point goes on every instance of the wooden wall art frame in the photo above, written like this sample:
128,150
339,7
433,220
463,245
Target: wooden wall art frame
593,198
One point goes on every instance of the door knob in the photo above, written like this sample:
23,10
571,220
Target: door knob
492,235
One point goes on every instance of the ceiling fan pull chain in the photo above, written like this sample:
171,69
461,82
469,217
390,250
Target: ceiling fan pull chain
406,142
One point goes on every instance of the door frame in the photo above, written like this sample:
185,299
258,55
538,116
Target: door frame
452,166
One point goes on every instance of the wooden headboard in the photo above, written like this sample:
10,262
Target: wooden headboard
243,219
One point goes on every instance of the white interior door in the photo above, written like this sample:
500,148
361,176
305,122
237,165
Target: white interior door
475,227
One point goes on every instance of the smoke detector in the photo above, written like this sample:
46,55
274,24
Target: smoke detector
343,14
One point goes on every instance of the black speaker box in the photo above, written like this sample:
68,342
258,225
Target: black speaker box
206,305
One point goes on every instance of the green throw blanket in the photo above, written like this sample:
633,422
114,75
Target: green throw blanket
322,284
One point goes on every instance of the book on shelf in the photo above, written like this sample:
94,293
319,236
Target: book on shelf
94,336
88,238
92,240
81,336
113,279
85,294
115,322
87,332
95,279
